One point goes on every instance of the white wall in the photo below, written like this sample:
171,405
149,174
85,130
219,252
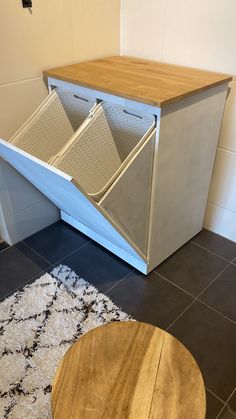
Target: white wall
58,32
198,34
194,33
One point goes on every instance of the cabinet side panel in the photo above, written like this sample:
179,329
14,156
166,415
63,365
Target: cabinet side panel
184,158
128,200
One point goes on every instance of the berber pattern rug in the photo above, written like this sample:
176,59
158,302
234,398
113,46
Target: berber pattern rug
38,324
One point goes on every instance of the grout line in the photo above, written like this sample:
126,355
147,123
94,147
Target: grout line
175,285
34,251
217,234
9,83
59,260
229,150
217,276
215,395
48,269
225,404
210,251
218,312
70,254
196,298
220,206
163,32
122,30
180,315
118,282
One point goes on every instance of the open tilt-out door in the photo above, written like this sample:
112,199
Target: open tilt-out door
118,218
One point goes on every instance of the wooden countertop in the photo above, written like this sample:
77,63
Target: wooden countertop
141,80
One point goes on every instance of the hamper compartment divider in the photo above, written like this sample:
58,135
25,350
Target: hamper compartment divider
56,159
103,146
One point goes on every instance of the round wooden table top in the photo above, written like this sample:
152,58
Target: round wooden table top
128,370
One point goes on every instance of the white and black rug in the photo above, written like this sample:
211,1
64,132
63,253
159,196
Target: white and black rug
37,326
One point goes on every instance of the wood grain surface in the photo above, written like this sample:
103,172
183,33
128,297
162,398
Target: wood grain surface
141,80
128,370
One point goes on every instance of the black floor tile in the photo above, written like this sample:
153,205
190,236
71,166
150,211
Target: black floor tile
18,264
150,299
192,268
3,246
97,266
56,241
221,295
213,406
227,414
232,402
217,244
212,340
230,410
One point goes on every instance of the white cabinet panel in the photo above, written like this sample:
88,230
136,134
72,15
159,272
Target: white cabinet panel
23,209
228,130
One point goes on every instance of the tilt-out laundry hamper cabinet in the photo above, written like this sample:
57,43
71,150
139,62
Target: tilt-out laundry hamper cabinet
125,148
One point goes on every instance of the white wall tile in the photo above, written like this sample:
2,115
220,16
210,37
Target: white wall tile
197,34
31,43
96,28
221,221
17,102
223,184
201,34
58,32
142,28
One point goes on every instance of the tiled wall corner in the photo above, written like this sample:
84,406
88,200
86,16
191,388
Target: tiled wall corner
221,210
54,33
168,30
221,221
